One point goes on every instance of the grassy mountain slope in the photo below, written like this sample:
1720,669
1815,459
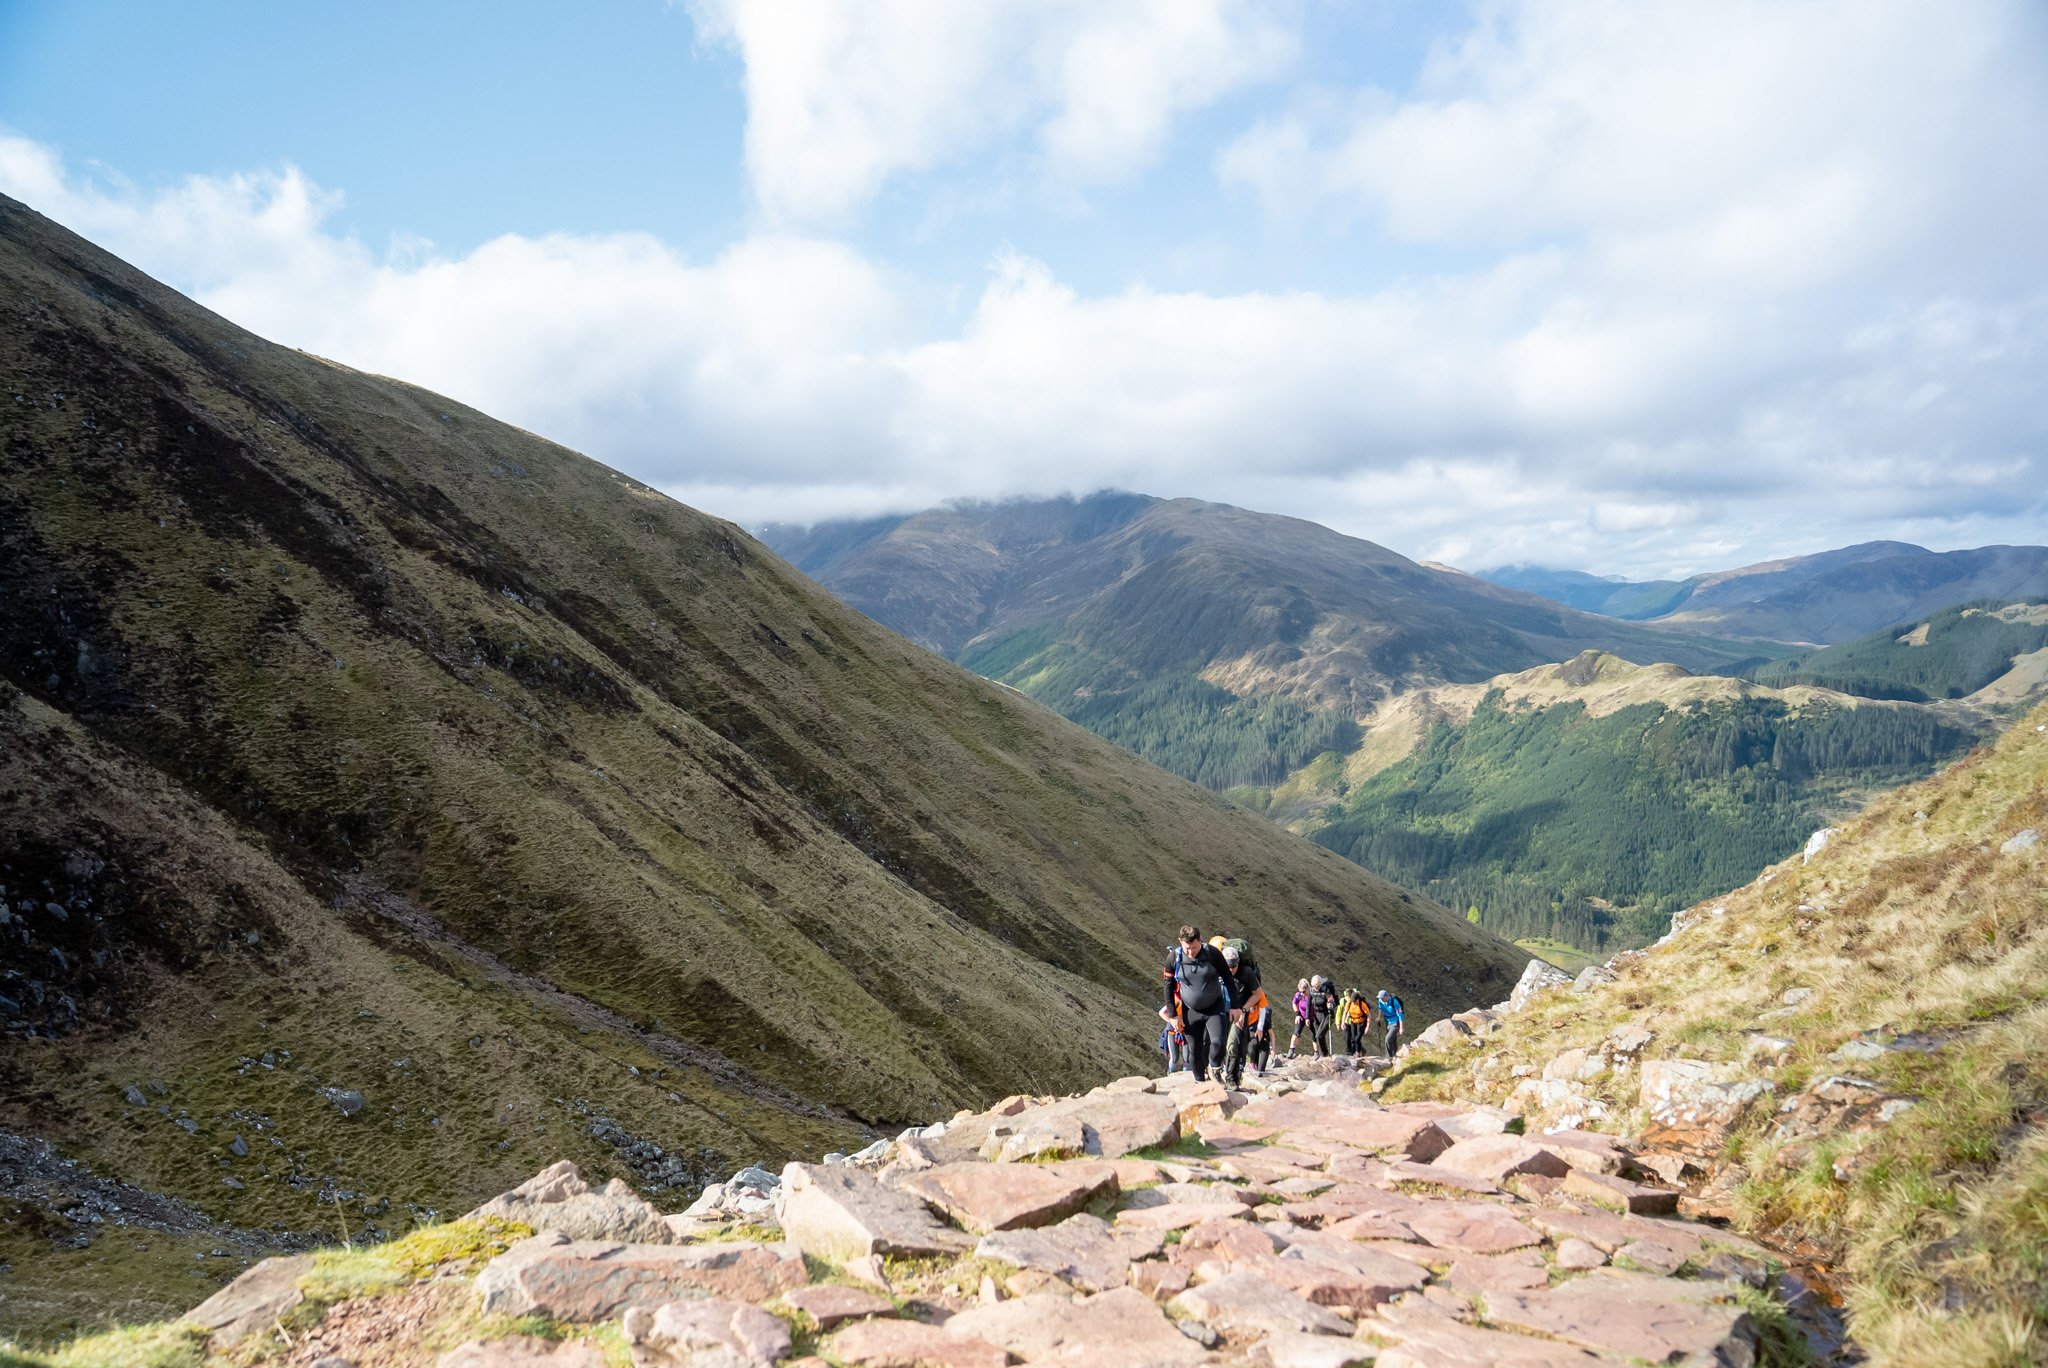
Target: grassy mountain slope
1586,802
343,721
1922,925
1088,604
1963,651
1828,598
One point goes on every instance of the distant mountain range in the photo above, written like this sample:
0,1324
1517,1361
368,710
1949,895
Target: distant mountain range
1073,598
1823,599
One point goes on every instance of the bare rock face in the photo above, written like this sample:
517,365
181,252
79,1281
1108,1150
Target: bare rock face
595,1280
252,1303
558,1199
1692,1105
989,1197
836,1211
1084,1250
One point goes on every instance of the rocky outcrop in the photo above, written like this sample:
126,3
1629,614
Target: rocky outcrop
1537,979
557,1199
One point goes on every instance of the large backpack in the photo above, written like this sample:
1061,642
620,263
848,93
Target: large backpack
1245,959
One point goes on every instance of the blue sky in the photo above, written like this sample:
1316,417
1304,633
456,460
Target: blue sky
1646,287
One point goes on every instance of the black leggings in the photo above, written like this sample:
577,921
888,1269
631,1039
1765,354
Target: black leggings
1206,1035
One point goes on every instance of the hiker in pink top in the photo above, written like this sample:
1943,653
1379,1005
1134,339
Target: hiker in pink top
1302,1013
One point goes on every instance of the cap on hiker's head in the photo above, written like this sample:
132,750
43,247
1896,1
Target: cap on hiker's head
1230,954
1384,995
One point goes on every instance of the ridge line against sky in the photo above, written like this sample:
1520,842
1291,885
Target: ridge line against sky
1639,288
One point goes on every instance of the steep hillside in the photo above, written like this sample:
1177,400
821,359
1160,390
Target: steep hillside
1846,1056
1151,617
1827,598
1584,803
398,801
1995,653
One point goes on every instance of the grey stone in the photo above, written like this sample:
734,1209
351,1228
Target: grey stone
252,1303
838,1211
558,1199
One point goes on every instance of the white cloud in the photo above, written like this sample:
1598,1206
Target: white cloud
1653,376
844,94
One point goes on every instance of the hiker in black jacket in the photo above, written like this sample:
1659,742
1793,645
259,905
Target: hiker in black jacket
1206,1004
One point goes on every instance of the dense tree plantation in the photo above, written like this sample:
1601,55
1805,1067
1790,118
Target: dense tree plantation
1212,736
1965,648
1593,830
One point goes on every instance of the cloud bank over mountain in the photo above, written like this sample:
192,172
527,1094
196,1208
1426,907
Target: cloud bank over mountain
1699,285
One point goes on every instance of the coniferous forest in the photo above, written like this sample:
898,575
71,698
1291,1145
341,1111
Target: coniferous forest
1594,830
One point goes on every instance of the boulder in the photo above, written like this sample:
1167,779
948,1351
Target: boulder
1494,1157
1123,1326
1619,1194
1537,979
1591,977
594,1280
1111,1125
558,1199
1692,1105
253,1302
1387,1132
1593,1151
986,1197
1439,1034
1082,1249
839,1212
693,1334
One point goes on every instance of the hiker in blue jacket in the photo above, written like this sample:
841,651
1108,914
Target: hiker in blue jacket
1391,1014
1199,975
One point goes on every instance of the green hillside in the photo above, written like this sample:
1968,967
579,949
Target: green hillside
398,802
1561,824
1950,655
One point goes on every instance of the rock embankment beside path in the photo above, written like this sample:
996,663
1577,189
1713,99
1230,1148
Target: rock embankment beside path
1295,1224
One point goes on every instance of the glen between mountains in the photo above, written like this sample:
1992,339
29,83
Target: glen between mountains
397,802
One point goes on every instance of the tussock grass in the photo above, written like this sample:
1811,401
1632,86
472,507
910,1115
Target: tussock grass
1912,920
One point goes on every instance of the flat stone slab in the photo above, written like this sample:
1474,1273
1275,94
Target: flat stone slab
1408,1171
1662,1320
1385,1132
557,1198
595,1280
832,1305
1428,1337
1460,1123
1110,1125
1248,1302
1608,1232
910,1344
523,1351
987,1197
1175,1215
1469,1227
1323,1283
1289,1349
1489,1274
837,1211
1619,1194
712,1331
1494,1157
1082,1249
1590,1150
1118,1327
253,1302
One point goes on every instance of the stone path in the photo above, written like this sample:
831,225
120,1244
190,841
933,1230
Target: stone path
1296,1224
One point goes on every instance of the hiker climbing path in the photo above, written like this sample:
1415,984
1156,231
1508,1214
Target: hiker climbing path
1297,1224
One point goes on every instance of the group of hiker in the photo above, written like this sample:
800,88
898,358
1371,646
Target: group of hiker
1218,1018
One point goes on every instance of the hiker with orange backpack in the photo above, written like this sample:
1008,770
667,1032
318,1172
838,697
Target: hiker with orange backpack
1256,1025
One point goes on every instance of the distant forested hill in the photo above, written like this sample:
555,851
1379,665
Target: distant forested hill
1951,655
1590,828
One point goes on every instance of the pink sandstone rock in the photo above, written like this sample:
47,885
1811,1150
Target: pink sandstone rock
1250,1303
558,1199
594,1280
1429,1337
1578,1256
1289,1349
1488,1274
1082,1249
1469,1227
837,1211
727,1333
522,1351
832,1305
1118,1327
1175,1216
1662,1320
1619,1194
910,1344
253,1302
987,1197
1407,1171
1494,1157
1390,1133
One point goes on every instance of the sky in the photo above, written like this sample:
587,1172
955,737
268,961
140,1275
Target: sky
1642,287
